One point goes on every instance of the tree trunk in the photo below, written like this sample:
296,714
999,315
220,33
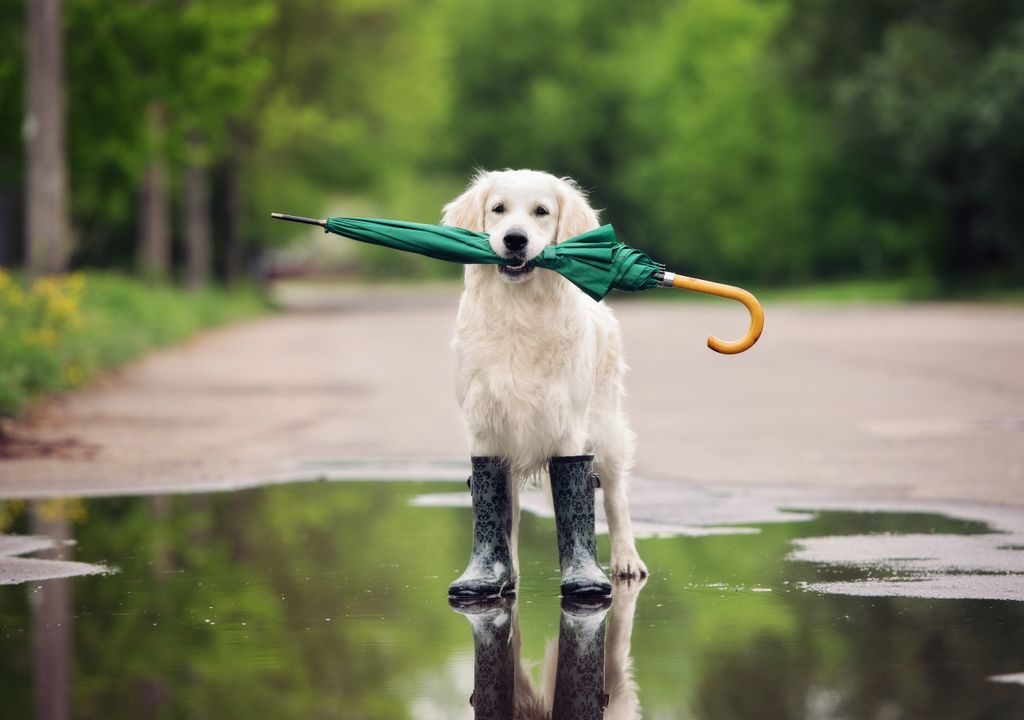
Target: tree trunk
46,205
154,251
234,256
10,235
197,216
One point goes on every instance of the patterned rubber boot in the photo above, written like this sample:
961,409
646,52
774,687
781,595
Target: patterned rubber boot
579,678
489,572
572,488
494,679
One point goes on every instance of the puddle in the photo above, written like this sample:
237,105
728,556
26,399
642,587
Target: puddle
328,600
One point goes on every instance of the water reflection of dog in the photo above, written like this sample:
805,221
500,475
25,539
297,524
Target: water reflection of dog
587,675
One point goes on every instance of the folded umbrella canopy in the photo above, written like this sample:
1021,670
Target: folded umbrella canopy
596,262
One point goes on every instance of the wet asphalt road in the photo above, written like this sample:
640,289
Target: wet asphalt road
922,402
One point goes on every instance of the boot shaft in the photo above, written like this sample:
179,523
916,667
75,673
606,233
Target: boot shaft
573,485
489,572
492,505
572,488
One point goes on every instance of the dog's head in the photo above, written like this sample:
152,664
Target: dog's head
523,211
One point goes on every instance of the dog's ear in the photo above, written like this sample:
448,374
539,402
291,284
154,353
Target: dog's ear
575,216
467,210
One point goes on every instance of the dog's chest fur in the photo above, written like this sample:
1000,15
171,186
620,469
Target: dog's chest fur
521,353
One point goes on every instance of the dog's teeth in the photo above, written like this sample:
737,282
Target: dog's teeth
520,268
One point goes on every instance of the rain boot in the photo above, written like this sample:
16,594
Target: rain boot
579,678
572,488
494,679
490,571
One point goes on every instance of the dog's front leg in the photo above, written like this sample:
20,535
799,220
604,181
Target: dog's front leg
626,560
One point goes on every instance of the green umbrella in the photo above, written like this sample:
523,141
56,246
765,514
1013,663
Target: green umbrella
596,262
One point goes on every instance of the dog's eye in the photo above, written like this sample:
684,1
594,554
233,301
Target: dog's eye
541,211
498,209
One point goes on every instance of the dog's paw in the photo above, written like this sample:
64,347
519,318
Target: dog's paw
626,563
626,587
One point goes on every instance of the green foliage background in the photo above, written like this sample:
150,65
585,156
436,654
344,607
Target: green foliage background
773,141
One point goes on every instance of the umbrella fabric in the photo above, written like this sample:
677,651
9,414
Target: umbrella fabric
595,262
437,241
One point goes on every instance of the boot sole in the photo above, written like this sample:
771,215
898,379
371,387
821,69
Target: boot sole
507,589
585,591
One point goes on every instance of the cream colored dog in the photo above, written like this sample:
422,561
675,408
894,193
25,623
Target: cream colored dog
539,364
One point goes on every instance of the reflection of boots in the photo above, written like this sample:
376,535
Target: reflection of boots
579,680
494,679
489,572
572,487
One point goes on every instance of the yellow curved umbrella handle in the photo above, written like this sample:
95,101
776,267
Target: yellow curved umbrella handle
733,293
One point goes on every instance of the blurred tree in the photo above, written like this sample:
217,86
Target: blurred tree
675,113
154,236
356,100
196,214
725,163
776,140
198,62
12,115
221,68
928,102
46,189
295,99
542,85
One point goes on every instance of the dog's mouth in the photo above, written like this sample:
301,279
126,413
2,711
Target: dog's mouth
515,271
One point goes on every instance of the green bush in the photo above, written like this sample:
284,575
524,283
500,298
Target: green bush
60,332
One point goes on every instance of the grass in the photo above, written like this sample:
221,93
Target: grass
891,291
59,332
854,291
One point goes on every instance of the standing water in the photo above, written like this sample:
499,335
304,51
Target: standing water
328,600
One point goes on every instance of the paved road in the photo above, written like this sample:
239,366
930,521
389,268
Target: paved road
912,402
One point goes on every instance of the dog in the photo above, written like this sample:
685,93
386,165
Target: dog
539,365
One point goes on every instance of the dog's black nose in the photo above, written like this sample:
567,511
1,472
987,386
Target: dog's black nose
515,240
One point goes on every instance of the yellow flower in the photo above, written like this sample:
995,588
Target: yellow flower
61,307
5,278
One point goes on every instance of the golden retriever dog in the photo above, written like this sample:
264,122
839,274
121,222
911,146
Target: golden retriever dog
539,364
